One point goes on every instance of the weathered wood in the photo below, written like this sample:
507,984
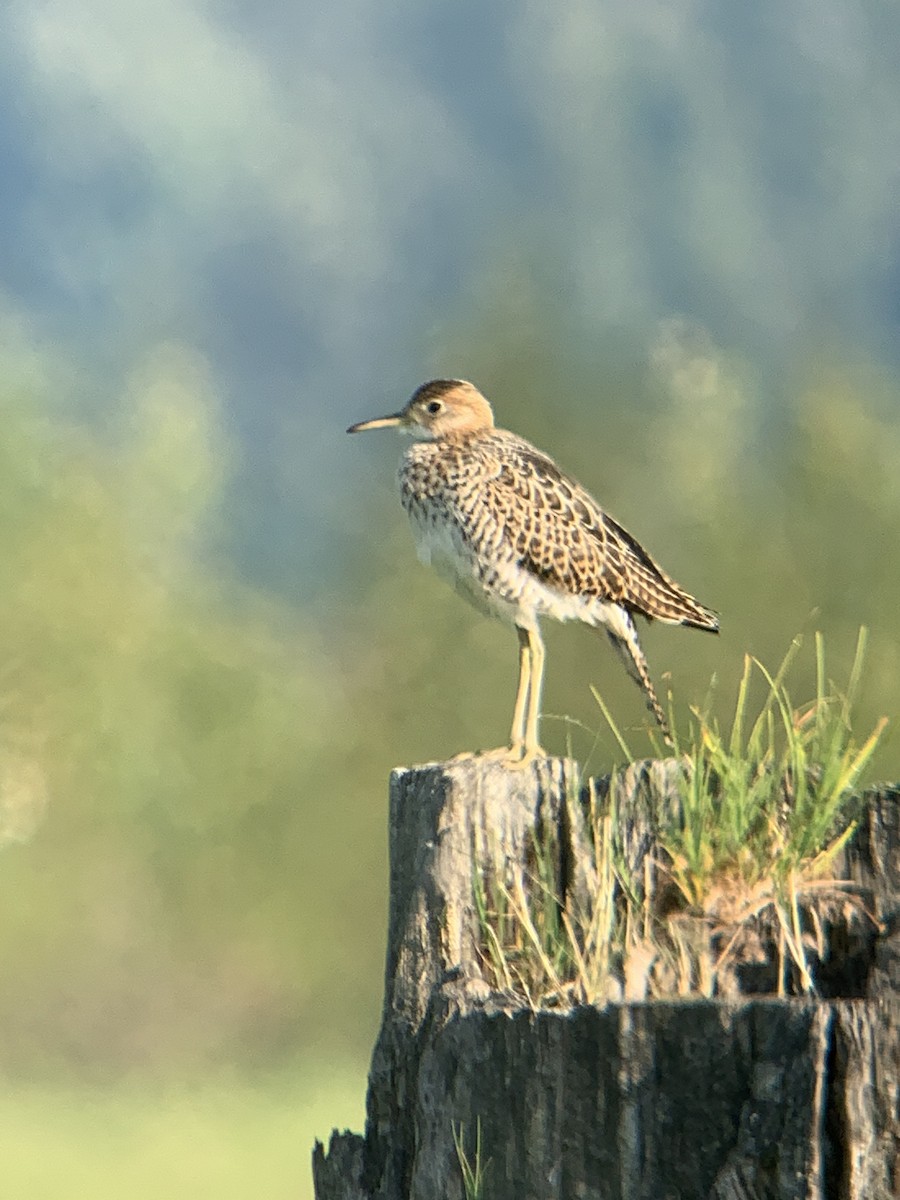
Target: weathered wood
444,820
337,1175
744,1099
693,1098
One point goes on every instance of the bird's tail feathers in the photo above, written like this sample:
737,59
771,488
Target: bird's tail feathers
662,599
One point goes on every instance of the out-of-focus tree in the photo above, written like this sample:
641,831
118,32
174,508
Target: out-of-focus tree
168,740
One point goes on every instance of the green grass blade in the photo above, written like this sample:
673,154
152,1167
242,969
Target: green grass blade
614,729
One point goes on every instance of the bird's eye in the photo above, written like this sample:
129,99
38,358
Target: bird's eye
435,406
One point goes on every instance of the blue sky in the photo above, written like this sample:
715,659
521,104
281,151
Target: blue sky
300,196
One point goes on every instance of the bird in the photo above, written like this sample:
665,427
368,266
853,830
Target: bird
521,540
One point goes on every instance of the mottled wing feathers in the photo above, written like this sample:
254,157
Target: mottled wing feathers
561,535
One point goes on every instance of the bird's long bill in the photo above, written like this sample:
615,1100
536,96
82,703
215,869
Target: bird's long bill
377,423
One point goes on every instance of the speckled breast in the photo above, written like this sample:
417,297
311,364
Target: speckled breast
453,531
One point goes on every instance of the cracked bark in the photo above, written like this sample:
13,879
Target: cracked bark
751,1098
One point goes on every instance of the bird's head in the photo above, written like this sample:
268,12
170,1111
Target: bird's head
438,409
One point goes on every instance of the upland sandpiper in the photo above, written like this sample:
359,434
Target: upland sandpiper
521,540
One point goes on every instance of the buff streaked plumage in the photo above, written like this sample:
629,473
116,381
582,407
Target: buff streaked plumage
522,540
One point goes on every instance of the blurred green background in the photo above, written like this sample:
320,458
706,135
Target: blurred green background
663,242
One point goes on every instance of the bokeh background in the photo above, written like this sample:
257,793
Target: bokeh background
662,237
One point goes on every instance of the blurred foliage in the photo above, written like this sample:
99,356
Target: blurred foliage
193,773
167,745
220,1141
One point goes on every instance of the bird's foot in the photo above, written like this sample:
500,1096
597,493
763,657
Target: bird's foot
517,756
469,755
464,756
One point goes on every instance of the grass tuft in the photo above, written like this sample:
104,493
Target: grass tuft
741,872
473,1169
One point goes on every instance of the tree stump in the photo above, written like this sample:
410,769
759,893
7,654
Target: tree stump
747,1098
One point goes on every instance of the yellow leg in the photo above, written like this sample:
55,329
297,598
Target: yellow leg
523,745
515,751
517,733
532,747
